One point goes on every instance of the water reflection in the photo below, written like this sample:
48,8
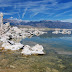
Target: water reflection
49,40
51,35
57,58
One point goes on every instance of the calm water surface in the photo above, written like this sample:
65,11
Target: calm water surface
58,57
51,41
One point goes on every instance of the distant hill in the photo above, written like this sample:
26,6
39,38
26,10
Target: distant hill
41,24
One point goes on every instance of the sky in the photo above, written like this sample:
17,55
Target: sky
36,10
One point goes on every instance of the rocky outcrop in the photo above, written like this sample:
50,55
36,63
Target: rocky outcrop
37,49
64,31
37,32
9,33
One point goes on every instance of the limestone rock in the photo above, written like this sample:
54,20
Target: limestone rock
16,46
37,49
26,50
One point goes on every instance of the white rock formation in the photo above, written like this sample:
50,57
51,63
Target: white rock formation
69,32
55,32
8,33
4,38
6,45
11,42
37,49
27,50
37,32
64,31
9,46
16,29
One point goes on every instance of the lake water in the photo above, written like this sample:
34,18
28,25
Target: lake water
57,42
58,57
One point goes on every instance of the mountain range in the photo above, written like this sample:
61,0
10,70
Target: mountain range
40,24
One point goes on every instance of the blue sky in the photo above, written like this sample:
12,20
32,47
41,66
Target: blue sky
37,9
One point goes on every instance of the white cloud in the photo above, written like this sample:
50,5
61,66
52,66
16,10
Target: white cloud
18,20
62,13
67,20
48,7
11,17
8,13
24,12
18,15
66,5
34,14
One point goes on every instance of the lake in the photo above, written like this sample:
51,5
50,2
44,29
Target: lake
51,41
58,57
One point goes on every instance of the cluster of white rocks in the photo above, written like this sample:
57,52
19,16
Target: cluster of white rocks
15,32
64,31
10,33
26,50
37,49
37,32
9,46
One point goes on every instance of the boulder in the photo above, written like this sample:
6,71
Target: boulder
37,32
37,49
16,46
4,38
55,32
26,50
11,42
16,29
